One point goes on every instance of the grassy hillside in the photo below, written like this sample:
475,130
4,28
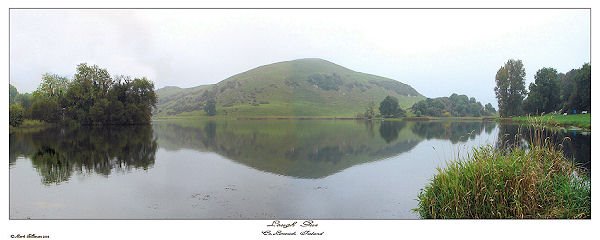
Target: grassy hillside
304,87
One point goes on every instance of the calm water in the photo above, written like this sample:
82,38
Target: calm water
279,169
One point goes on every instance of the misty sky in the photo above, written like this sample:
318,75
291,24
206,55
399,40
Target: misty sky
438,52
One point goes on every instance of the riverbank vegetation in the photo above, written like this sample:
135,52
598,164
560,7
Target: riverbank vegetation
92,97
551,92
453,106
583,121
511,182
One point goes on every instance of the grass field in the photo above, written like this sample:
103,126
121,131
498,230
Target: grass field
574,120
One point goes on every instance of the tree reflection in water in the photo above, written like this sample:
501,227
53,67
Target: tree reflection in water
58,153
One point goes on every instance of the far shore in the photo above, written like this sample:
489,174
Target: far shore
572,122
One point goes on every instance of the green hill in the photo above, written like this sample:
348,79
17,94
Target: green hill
304,87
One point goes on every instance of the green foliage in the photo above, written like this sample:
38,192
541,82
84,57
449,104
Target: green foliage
510,88
453,106
543,93
15,115
518,183
577,120
210,107
370,111
575,89
389,108
94,97
12,93
52,86
46,109
288,88
489,109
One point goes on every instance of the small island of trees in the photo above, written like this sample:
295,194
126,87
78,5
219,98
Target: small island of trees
92,97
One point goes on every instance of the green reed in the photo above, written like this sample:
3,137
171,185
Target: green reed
514,183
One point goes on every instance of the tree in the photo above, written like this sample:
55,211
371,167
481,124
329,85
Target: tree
389,107
489,109
53,85
93,97
12,93
15,114
510,88
584,87
210,107
575,89
370,111
544,93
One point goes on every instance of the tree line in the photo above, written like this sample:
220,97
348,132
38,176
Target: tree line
550,92
453,106
92,96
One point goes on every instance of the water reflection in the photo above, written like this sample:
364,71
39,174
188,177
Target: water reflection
58,153
575,145
303,149
307,149
453,131
297,148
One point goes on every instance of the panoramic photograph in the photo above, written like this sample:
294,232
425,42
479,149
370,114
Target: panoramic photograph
322,114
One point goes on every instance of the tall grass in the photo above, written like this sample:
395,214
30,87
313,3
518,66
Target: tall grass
538,182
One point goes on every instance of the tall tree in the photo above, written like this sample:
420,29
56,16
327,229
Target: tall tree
544,93
510,88
12,93
575,89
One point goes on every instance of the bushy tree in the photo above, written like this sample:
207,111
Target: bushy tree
389,108
510,88
92,97
576,89
544,93
370,110
489,109
15,114
12,93
455,105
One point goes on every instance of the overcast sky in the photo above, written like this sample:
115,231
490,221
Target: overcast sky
438,52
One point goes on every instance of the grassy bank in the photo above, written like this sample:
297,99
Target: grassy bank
513,184
29,125
575,120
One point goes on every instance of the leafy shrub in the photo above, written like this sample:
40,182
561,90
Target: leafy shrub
15,115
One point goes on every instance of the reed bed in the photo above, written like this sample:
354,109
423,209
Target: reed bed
509,183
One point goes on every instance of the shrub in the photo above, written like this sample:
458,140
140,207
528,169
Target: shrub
15,115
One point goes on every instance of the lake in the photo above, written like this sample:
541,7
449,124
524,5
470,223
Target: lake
245,169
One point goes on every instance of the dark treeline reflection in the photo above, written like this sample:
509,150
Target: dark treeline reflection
453,131
576,146
58,153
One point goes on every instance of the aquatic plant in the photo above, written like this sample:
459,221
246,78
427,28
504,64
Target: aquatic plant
505,183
